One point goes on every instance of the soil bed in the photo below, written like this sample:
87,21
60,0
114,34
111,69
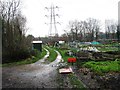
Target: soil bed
92,79
109,80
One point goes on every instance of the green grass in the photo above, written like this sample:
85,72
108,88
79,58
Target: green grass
72,80
44,52
26,61
62,52
52,55
76,82
103,66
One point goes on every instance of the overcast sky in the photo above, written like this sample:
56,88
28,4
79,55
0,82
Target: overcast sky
35,12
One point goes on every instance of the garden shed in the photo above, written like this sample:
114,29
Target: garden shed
37,45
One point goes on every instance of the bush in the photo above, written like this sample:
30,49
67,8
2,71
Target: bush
16,55
22,54
34,52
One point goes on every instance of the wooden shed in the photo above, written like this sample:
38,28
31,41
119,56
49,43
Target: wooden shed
37,45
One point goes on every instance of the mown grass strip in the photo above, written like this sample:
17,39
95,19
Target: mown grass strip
27,61
70,79
75,82
63,54
52,55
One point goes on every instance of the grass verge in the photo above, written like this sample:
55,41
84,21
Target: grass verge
75,82
70,81
52,55
62,52
26,61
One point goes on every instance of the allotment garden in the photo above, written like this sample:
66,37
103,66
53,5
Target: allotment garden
97,65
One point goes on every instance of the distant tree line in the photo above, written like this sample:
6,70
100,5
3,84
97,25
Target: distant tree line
15,45
90,30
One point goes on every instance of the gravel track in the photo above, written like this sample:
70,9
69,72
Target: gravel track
36,75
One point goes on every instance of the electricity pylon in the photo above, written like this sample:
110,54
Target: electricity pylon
53,22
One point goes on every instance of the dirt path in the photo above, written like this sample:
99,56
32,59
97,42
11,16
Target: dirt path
37,75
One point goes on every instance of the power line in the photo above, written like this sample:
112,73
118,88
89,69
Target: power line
53,22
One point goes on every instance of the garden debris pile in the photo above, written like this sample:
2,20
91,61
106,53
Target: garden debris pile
81,55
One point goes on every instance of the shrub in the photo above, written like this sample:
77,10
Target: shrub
15,55
35,52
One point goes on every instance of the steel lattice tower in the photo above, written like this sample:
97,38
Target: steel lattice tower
53,22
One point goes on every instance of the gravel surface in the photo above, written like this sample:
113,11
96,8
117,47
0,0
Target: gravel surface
37,75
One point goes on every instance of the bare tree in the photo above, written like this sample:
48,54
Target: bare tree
111,29
118,33
8,11
76,30
87,30
13,29
93,28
